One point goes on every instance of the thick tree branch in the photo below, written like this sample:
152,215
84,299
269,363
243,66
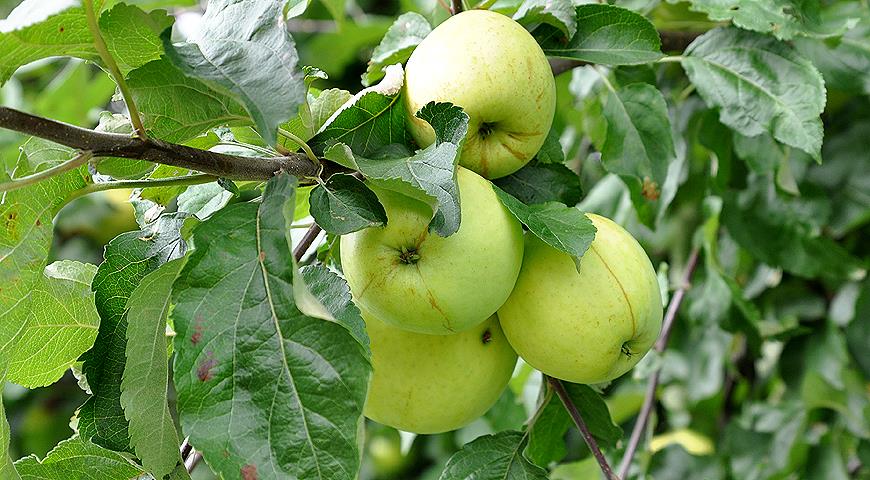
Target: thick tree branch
660,345
101,144
672,41
584,430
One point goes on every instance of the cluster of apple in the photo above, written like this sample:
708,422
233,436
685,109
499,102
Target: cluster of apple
447,315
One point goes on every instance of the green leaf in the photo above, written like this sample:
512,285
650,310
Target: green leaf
64,326
203,200
133,36
125,168
858,330
763,225
312,115
493,457
26,231
546,435
759,85
606,34
429,175
551,151
844,64
145,383
262,387
7,470
244,48
564,228
333,293
369,122
557,13
638,145
543,183
784,19
78,459
401,39
38,29
176,107
344,204
128,259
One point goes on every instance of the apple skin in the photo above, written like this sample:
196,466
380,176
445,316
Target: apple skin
574,326
495,70
454,282
435,383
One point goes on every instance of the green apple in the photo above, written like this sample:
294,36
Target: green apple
435,383
422,282
491,67
586,326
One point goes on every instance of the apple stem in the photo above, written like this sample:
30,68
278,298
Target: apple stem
660,345
584,430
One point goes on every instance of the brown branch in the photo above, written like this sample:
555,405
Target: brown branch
306,241
672,41
660,345
101,144
584,430
456,7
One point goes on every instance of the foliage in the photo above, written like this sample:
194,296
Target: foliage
737,128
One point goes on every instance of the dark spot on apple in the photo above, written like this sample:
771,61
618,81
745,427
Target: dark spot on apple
249,472
486,337
625,350
61,29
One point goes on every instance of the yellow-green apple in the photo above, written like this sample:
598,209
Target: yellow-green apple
586,326
422,282
435,383
491,67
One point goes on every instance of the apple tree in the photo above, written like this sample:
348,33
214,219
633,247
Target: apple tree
513,239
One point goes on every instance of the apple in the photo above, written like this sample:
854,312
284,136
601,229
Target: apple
495,70
586,326
422,282
435,383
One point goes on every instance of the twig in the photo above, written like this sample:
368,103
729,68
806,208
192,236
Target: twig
103,51
456,7
661,343
584,430
306,241
192,461
71,164
102,144
157,182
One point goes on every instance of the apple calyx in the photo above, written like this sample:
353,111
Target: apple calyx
409,256
486,129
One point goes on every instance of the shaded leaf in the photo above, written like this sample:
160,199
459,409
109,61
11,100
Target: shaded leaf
333,293
607,35
203,200
244,48
38,29
7,470
759,85
145,383
128,259
78,459
401,39
493,457
343,204
564,228
176,107
284,391
543,183
557,13
133,36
